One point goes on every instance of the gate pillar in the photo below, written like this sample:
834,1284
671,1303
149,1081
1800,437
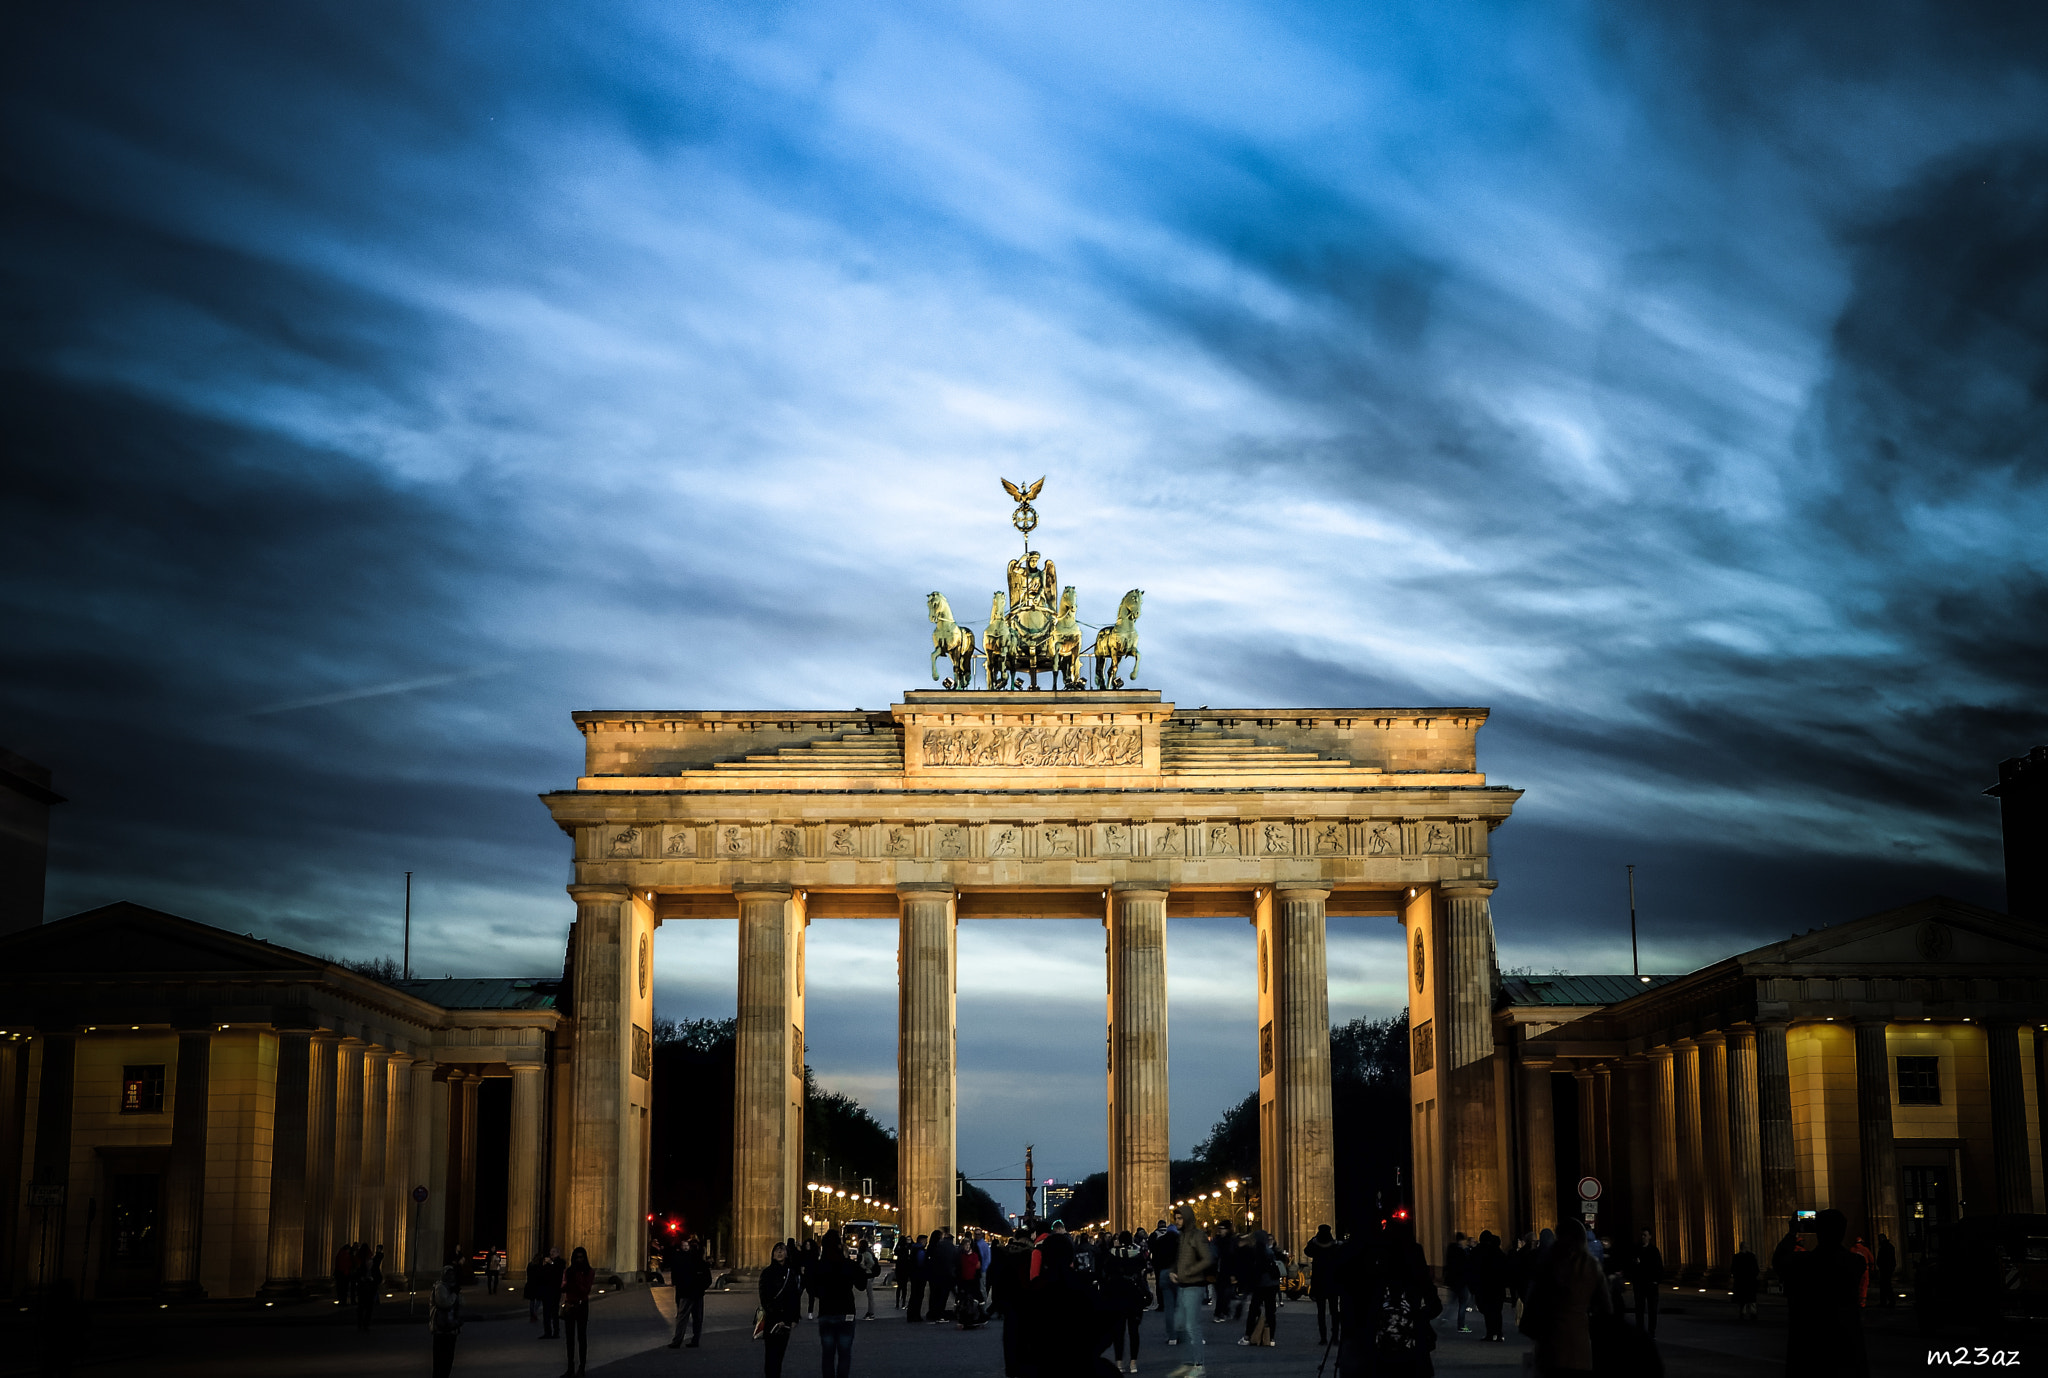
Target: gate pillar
768,1074
1297,1163
927,1062
1140,1154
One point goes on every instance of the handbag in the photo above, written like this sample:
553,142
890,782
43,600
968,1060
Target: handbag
760,1322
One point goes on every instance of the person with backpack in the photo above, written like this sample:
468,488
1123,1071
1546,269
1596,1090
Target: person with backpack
1126,1296
1569,1290
782,1300
1388,1300
1259,1272
577,1280
692,1279
832,1281
444,1320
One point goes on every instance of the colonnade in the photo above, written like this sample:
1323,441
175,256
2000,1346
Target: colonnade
1297,1162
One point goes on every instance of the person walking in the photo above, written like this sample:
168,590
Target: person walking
1224,1243
1388,1301
1569,1290
1862,1251
1645,1276
531,1291
806,1261
1742,1280
1259,1275
494,1268
369,1287
1321,1256
870,1257
444,1320
832,1281
1194,1267
1125,1296
904,1257
1009,1275
1164,1247
1823,1300
967,1288
782,1300
1455,1259
577,1280
1487,1275
546,1281
692,1278
1887,1269
345,1274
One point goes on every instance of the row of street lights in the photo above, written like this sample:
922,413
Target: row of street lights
827,1201
1211,1201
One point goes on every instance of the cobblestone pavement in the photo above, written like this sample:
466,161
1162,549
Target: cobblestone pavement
1699,1337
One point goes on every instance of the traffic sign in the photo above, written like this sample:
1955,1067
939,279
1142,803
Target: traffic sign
419,1193
1589,1188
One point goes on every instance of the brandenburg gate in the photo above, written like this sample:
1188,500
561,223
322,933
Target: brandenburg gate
1098,802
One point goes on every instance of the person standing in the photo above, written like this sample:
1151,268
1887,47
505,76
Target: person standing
1164,1247
345,1273
914,1312
1224,1243
1742,1281
1008,1278
531,1291
1570,1289
546,1281
1455,1281
806,1261
494,1268
1862,1251
1321,1254
1645,1276
1125,1296
444,1320
782,1300
1887,1269
1259,1274
832,1282
1194,1267
941,1265
870,1256
369,1286
1388,1301
577,1280
1824,1321
692,1278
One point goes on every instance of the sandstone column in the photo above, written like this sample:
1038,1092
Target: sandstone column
1670,1213
926,1058
466,1094
1589,1127
1603,1134
768,1076
1780,1169
1874,1131
1540,1151
1717,1190
599,1068
398,1179
1467,1074
1640,1081
2011,1158
522,1192
185,1177
1140,1151
322,1056
348,1143
1745,1151
376,1128
430,1167
1690,1192
1303,1153
287,1252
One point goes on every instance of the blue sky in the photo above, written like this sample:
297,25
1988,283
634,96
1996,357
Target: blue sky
385,382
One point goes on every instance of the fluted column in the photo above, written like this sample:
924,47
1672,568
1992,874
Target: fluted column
287,1251
1540,1151
1780,1174
768,1076
1717,1190
1589,1118
185,1175
376,1126
1638,1120
1874,1132
348,1142
1304,1153
2012,1163
600,1066
1466,1076
1745,1151
1670,1213
1691,1186
431,1113
1603,1133
322,1060
926,1057
1140,1149
468,1091
522,1193
398,1180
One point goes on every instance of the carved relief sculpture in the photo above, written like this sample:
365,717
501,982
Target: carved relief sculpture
1075,747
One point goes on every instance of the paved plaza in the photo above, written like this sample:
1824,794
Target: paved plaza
629,1330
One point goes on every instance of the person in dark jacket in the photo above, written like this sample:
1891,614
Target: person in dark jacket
782,1303
1887,1268
1164,1247
941,1268
1388,1301
1224,1242
832,1282
577,1280
1823,1297
1125,1295
545,1278
1743,1272
1486,1272
807,1259
1258,1274
1645,1276
1321,1254
1456,1283
914,1312
1009,1273
692,1278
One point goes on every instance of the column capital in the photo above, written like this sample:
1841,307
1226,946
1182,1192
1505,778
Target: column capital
1660,1054
1537,1062
1472,889
924,887
1741,1035
581,892
1712,1038
1139,887
1582,1072
767,889
1301,890
1778,1023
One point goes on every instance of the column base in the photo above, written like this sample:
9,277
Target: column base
282,1289
181,1291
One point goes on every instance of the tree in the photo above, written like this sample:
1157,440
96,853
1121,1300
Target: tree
385,969
844,1142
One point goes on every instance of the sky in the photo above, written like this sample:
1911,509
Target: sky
383,382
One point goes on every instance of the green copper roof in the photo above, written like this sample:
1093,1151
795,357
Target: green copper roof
1575,990
485,992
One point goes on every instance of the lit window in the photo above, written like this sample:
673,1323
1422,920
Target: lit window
1919,1081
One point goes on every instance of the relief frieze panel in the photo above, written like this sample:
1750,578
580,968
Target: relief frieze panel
1035,747
679,842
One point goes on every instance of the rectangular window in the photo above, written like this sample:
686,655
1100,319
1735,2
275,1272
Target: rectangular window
1919,1080
142,1090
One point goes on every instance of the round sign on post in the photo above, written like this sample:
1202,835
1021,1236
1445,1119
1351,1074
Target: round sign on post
419,1194
1589,1188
